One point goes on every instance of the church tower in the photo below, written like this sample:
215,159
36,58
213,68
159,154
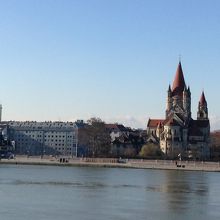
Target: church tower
180,134
202,113
169,101
179,97
187,102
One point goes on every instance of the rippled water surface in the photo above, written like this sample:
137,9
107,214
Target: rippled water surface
47,192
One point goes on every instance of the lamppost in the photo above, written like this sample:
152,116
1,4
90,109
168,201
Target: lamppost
76,148
76,134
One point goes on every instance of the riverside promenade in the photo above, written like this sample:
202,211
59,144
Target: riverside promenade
115,162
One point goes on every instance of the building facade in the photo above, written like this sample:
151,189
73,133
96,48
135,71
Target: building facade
6,146
39,138
178,133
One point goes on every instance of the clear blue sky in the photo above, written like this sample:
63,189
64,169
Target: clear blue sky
114,59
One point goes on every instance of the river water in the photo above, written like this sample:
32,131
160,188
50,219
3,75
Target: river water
88,193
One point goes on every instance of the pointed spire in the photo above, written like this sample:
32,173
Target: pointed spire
189,88
179,82
202,100
169,89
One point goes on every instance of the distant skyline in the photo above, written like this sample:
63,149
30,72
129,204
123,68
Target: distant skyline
71,59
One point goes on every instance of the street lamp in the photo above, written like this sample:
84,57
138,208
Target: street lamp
76,134
75,143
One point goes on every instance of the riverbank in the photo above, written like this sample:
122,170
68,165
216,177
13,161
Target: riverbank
115,163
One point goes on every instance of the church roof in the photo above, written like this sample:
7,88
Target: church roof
118,127
154,122
171,122
179,82
196,125
202,100
180,116
199,123
195,132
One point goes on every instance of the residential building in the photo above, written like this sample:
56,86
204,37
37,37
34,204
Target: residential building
39,138
125,142
116,130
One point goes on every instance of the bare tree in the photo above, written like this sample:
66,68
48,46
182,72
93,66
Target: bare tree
99,140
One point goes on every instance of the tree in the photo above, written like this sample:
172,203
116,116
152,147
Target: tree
150,150
130,152
99,140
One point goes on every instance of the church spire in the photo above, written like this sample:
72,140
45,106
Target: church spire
202,100
169,88
179,82
202,113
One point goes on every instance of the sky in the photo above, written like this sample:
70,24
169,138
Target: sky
112,59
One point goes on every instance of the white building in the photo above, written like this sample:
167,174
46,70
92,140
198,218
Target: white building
39,138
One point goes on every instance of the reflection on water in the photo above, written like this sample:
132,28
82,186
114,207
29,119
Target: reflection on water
43,192
70,184
184,195
184,189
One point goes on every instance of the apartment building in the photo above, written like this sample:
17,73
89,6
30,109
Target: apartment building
40,138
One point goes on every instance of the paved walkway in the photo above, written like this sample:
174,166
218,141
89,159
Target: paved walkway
113,162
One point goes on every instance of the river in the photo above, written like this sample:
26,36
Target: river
88,193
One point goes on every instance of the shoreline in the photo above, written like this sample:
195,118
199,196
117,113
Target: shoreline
113,163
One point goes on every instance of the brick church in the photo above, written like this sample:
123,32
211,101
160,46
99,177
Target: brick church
178,133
